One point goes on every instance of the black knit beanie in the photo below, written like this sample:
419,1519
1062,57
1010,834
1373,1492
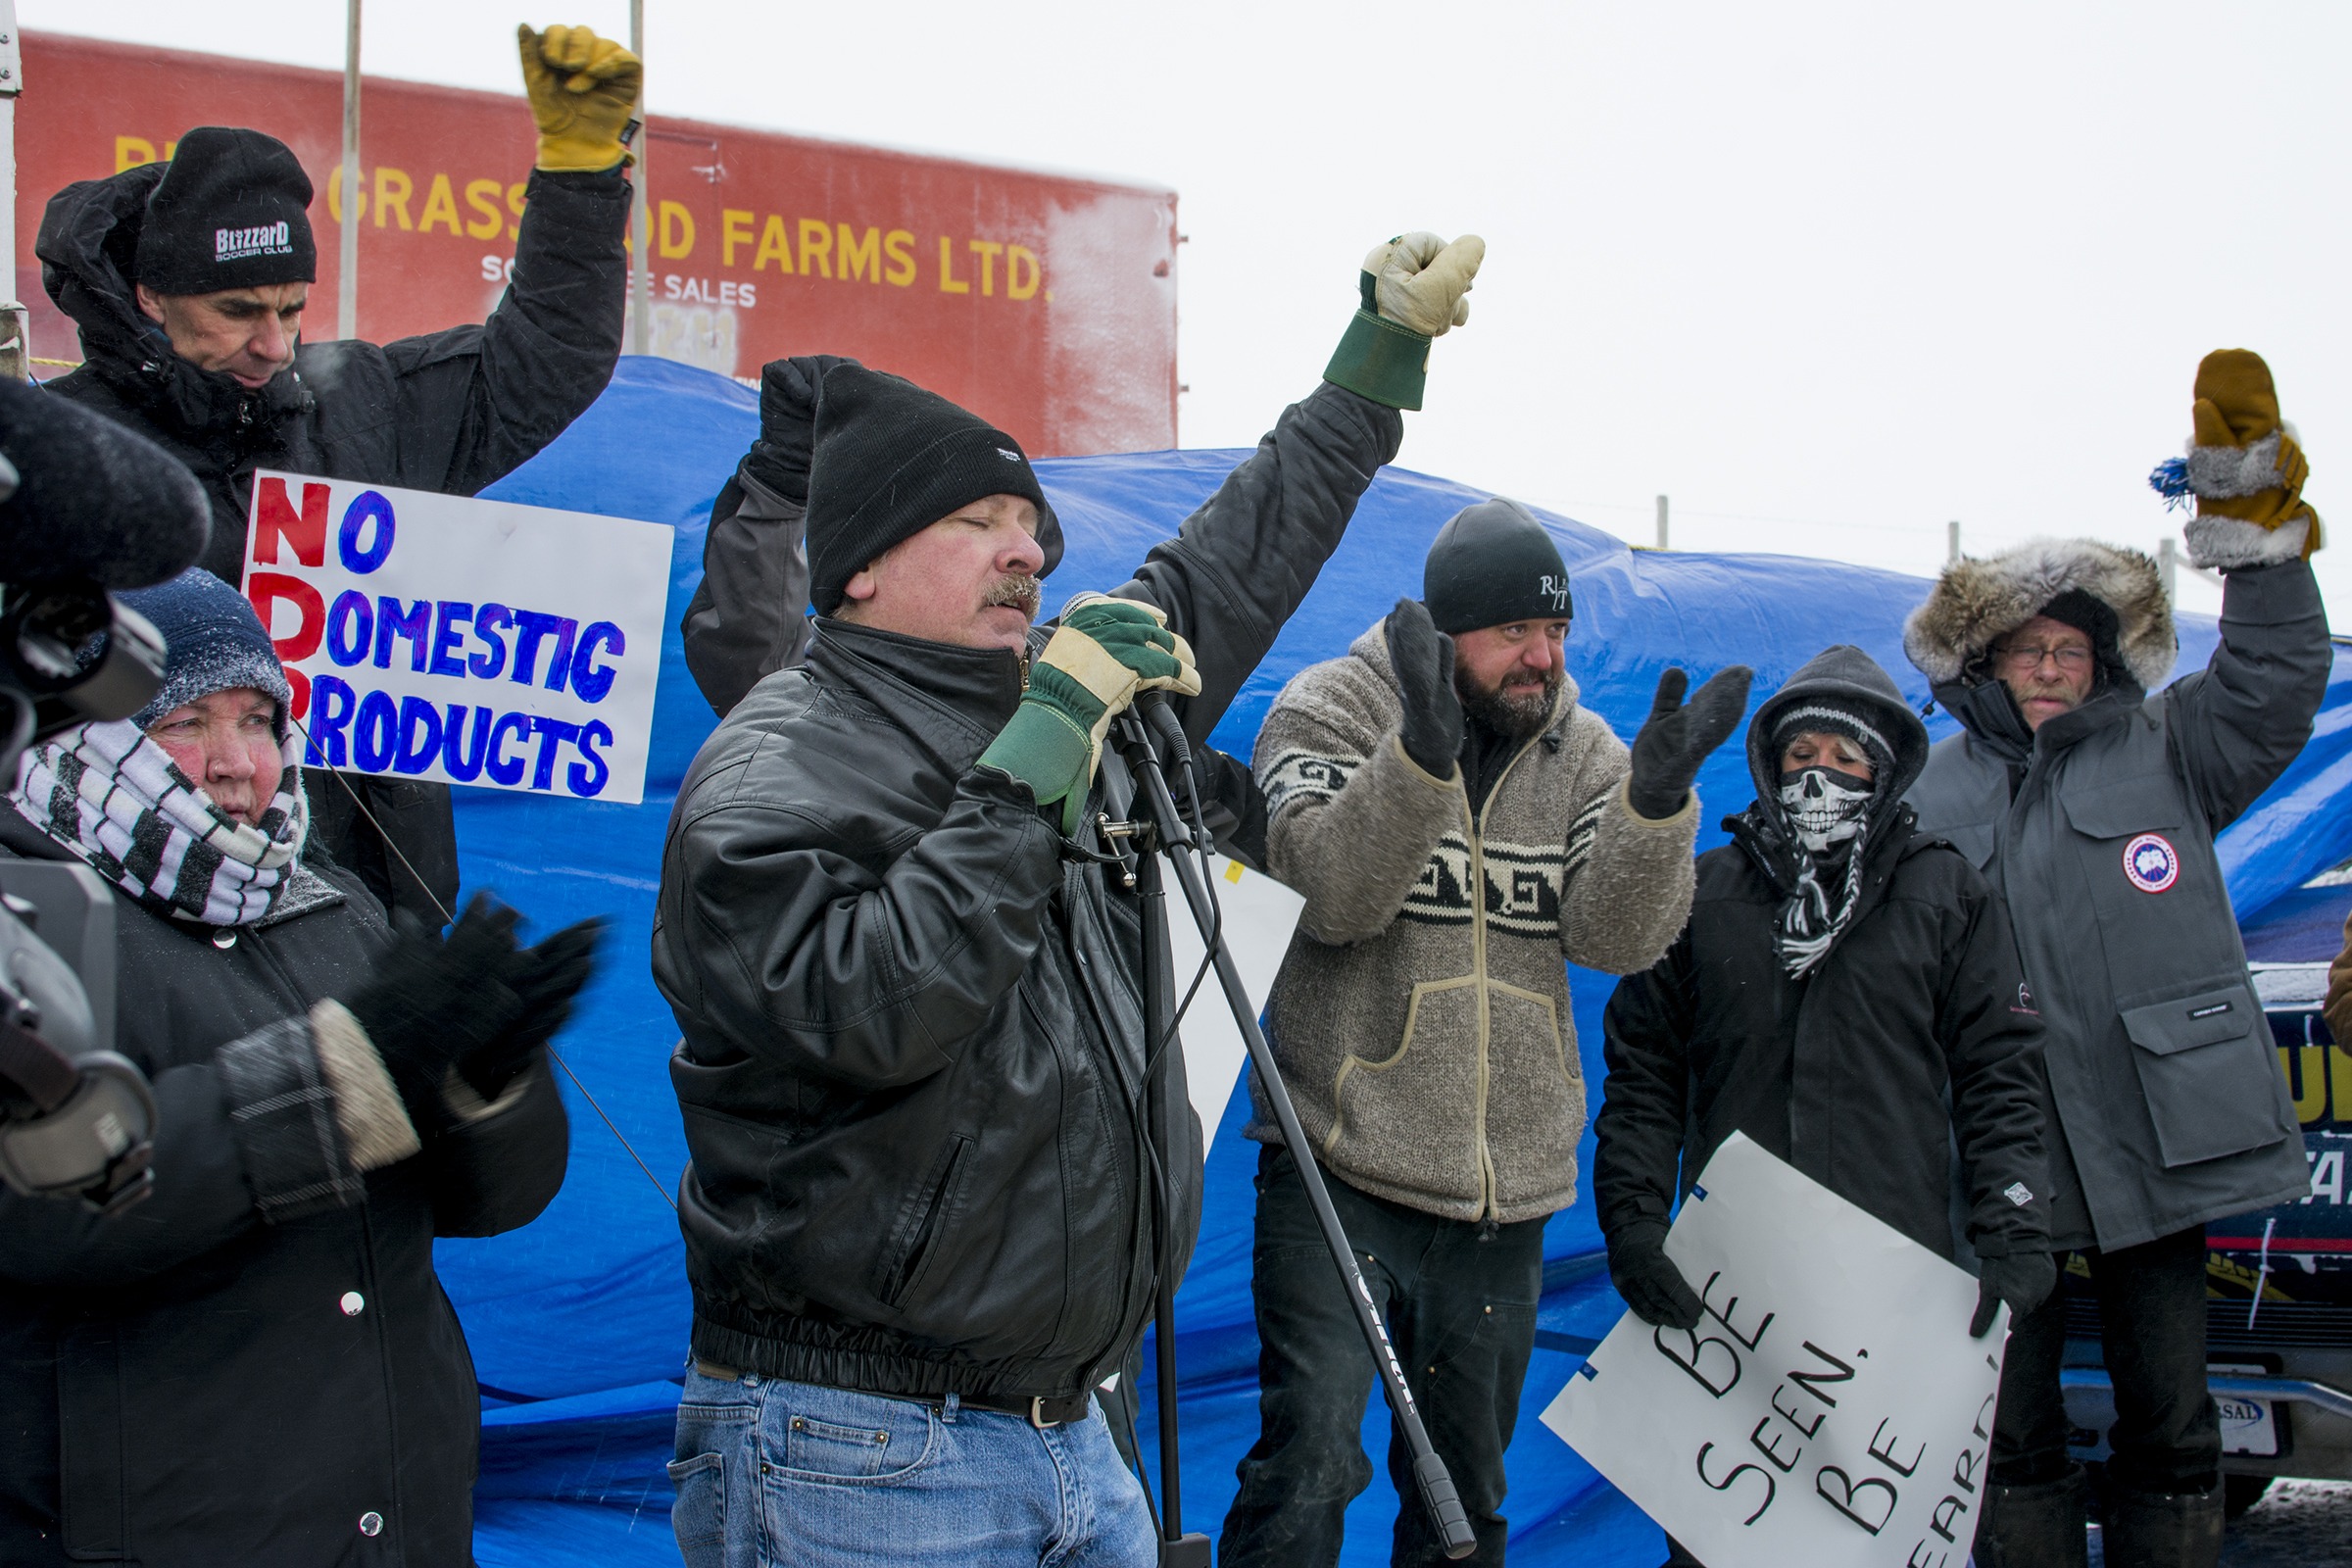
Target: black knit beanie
1493,564
231,212
214,642
889,461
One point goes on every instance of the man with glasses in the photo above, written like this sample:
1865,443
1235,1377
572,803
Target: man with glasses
2091,799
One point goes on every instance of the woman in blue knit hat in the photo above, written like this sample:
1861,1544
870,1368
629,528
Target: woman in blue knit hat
256,1363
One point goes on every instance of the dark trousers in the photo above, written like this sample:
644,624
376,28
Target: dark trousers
2167,1436
1461,1310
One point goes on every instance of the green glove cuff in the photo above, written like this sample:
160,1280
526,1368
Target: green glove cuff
1379,359
1047,746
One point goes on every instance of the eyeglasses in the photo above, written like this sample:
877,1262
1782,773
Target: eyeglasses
2026,657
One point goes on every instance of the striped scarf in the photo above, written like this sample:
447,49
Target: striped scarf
114,797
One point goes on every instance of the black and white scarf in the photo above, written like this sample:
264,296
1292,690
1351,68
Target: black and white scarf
117,800
1809,923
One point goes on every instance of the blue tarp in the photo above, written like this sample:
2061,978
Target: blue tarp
578,1322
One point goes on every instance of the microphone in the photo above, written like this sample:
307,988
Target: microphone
1160,718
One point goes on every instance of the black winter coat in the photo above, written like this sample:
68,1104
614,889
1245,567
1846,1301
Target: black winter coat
1846,1074
256,1363
448,411
912,1071
1903,1073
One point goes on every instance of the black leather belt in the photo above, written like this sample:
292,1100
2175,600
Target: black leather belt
1038,1411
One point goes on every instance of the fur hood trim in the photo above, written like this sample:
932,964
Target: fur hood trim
1978,600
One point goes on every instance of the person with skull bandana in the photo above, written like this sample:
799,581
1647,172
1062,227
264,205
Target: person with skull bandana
1847,994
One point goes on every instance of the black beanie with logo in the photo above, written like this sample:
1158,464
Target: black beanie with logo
890,459
231,212
1493,564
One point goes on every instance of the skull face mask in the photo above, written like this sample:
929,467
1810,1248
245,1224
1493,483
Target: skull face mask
1824,805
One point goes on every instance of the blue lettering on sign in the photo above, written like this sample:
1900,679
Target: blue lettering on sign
502,768
488,622
589,681
369,506
349,628
375,733
414,623
449,630
332,703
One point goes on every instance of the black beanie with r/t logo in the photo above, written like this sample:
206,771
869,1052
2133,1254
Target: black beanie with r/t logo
231,212
1491,565
888,460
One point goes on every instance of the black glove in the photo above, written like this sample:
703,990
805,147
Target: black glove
434,1002
544,979
1422,658
1647,1278
2024,1281
788,389
1675,739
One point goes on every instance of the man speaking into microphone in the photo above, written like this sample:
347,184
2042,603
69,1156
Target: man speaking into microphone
920,1223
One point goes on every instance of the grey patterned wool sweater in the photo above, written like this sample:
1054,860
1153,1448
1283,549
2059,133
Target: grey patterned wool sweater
1421,1014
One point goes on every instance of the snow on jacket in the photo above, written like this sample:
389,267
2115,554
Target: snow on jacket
1914,1041
448,411
1421,1013
256,1363
913,1064
2097,829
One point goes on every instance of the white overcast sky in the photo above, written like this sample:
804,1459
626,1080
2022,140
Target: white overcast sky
1827,274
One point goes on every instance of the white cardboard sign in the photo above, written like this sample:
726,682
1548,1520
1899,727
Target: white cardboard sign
462,641
1830,1410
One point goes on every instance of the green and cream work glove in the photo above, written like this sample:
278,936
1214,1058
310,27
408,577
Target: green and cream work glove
1103,652
1416,288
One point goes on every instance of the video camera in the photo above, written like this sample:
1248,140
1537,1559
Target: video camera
85,505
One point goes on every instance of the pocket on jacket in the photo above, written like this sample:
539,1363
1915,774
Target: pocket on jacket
2210,1077
1535,1095
922,1223
1403,1111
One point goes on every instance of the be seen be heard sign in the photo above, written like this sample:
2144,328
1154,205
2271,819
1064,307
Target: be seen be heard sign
1830,1410
463,641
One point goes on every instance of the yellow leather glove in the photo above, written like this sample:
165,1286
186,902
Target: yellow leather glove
1415,289
583,91
2245,469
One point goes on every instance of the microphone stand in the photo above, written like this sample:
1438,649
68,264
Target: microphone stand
1158,828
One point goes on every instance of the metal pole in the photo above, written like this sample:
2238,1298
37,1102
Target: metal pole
15,352
2167,566
641,264
347,262
1661,522
1951,541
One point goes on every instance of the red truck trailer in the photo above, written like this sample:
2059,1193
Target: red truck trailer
1046,303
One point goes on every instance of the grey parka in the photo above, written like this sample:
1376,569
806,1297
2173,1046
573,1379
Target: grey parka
2098,830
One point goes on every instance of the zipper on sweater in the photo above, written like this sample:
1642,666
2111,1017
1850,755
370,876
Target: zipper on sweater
1478,961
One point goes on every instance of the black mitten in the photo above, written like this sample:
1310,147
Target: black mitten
1675,739
544,979
434,1002
788,390
1422,659
2024,1281
1652,1287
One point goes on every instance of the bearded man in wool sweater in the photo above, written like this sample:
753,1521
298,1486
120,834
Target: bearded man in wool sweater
1457,824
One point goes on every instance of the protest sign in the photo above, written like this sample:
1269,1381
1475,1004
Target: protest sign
464,641
1830,1410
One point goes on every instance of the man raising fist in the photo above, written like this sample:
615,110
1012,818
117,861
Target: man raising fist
190,282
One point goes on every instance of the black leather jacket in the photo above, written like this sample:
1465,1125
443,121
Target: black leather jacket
913,1064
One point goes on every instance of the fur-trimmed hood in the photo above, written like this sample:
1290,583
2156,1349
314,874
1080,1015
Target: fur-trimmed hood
1978,600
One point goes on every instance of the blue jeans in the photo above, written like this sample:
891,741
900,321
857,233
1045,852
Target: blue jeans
772,1473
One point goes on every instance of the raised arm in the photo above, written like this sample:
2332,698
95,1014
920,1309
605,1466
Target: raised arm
1240,565
2237,724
